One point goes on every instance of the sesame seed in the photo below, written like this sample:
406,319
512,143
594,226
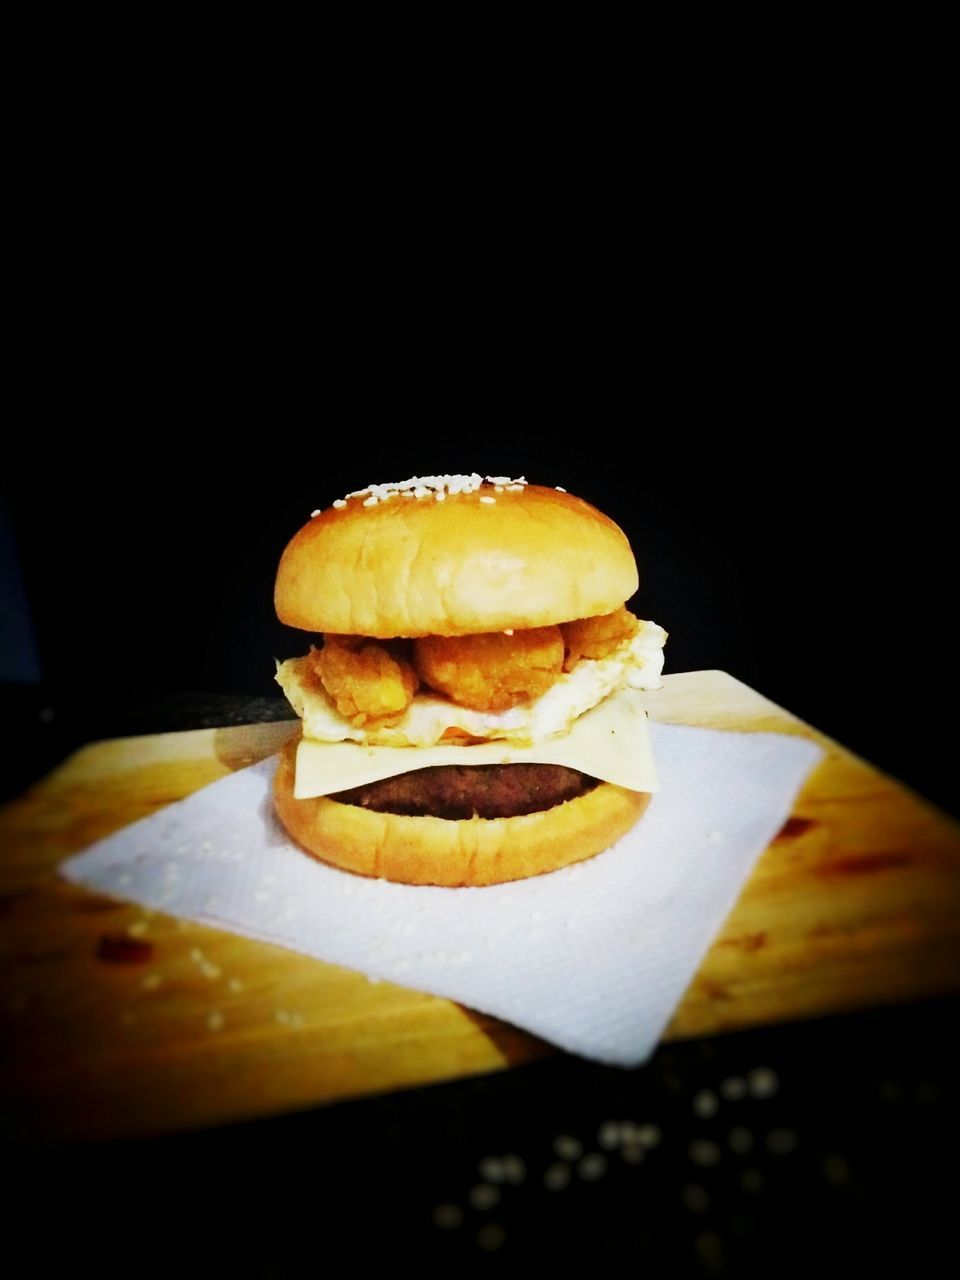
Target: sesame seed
567,1147
782,1142
592,1167
137,929
705,1104
695,1198
734,1088
150,981
296,1020
514,1170
339,503
740,1140
509,631
196,955
447,1217
235,984
762,1082
314,514
632,1151
560,489
835,1169
209,970
439,486
648,1135
609,1134
483,1196
557,1177
710,1253
491,1169
215,1021
491,1237
752,1180
704,1153
282,1017
488,501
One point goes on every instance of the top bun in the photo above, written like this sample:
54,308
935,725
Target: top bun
415,566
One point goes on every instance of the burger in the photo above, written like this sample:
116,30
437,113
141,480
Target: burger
470,700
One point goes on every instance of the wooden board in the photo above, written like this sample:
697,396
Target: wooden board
856,903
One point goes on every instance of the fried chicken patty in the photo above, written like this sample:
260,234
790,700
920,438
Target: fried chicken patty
494,670
466,791
596,637
373,682
367,683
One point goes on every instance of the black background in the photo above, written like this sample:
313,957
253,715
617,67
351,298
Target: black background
749,379
707,295
813,559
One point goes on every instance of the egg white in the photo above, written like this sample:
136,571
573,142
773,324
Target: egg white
635,664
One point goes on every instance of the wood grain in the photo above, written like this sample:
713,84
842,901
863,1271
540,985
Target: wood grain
117,1021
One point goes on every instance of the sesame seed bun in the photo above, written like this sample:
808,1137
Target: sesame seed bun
479,561
440,851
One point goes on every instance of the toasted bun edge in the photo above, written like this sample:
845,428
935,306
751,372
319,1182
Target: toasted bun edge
438,851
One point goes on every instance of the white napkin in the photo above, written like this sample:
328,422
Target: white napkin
595,957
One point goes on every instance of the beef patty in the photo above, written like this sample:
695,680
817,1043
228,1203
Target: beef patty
466,791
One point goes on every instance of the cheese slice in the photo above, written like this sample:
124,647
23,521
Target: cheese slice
610,742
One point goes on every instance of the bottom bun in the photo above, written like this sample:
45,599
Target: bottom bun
472,851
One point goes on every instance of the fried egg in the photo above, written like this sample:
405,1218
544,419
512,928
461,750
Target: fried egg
635,664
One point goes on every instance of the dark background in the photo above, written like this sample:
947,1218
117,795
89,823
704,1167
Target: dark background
724,331
813,560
